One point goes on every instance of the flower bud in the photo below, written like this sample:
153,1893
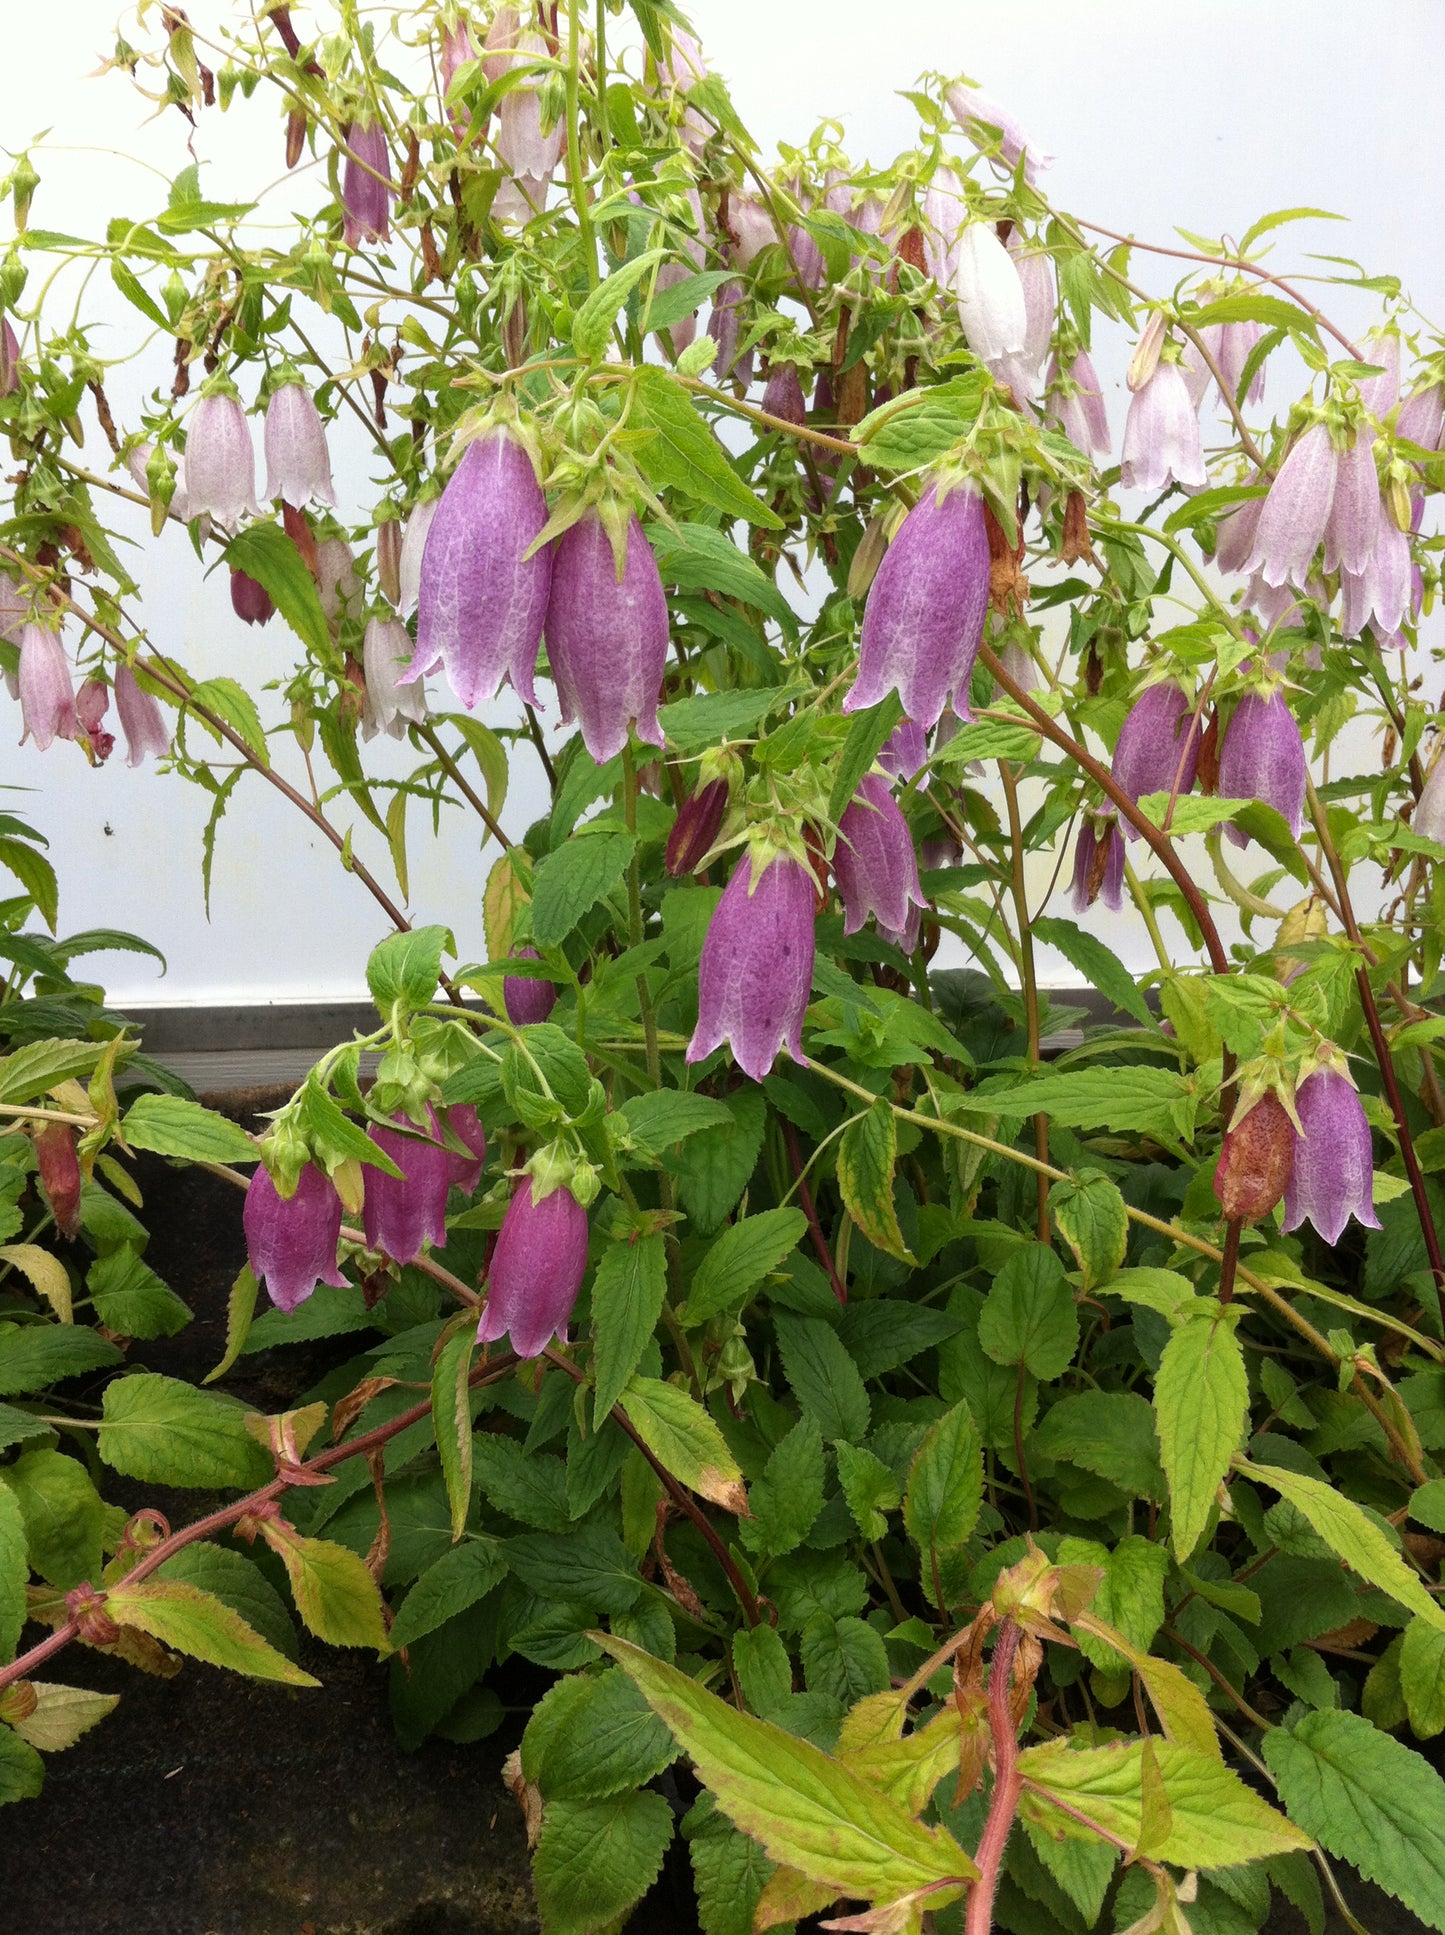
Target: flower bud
141,719
1294,515
250,601
783,395
1334,1170
993,129
457,48
1147,351
366,186
337,585
220,461
1099,863
696,827
923,622
874,861
481,606
9,358
756,971
298,464
607,635
1162,444
944,214
59,1169
527,1000
296,125
536,1269
722,327
1157,750
1429,816
1256,1161
1262,757
990,295
400,1214
413,547
91,705
291,1240
392,699
47,696
388,559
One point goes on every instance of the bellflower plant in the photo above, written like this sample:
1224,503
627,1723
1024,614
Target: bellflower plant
298,464
220,460
401,1214
875,862
46,691
1262,757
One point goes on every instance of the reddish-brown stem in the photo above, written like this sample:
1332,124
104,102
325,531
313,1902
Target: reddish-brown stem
468,792
485,1373
1007,1784
805,1199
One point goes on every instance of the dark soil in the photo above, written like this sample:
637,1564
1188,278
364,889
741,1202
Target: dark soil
214,1805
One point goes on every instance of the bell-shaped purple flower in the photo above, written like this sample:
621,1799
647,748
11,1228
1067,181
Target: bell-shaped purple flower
753,227
923,623
906,750
990,295
1354,520
1381,393
47,695
9,358
393,700
1162,444
250,601
291,1240
1231,345
989,126
1334,1169
464,1172
92,702
481,606
1379,596
756,971
607,638
1235,534
401,1213
529,151
1036,278
366,186
1099,863
298,463
722,326
141,719
1078,406
1262,757
874,861
527,1000
413,545
1422,417
220,462
337,585
457,48
1297,509
536,1271
944,214
783,395
1157,750
698,823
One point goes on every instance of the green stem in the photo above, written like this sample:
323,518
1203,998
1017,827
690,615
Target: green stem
575,178
1029,981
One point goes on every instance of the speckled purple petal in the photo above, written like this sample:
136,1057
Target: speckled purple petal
756,970
1263,758
607,642
1334,1168
536,1270
874,860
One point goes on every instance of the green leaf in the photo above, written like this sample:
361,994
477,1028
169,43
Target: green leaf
575,877
1368,1800
26,1074
61,1512
531,1489
171,1126
191,1621
869,1486
229,702
885,1332
62,1715
230,1576
683,452
596,1858
336,1596
38,1355
627,1295
1351,1534
1201,1396
1029,1316
739,1260
915,429
1248,306
1214,1820
611,1740
165,1432
14,1571
866,1158
452,1420
867,736
1093,1221
667,1115
824,1378
458,1579
684,1440
265,553
1110,1433
16,1426
45,1273
240,1309
682,299
1130,1596
130,1298
333,1136
592,324
808,1812
134,291
696,557
406,968
843,1659
1427,1504
693,724
1422,1677
22,1771
945,1490
729,1872
36,876
788,1497
1098,964
589,1566
1151,1101
714,1166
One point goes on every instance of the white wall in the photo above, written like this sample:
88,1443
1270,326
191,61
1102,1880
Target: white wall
1205,117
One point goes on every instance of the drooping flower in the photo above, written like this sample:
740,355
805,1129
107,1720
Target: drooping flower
783,395
944,214
529,151
1354,520
990,295
536,1270
481,605
220,461
607,637
58,1163
250,601
1099,863
291,1240
1077,405
413,545
698,823
298,463
1381,393
392,699
1036,278
388,558
401,1213
923,623
1262,757
1379,596
9,358
465,1172
526,999
519,198
756,970
337,585
92,702
1429,817
366,186
457,48
681,68
1157,750
47,695
875,862
905,751
753,228
1422,417
1162,444
1334,1168
1231,345
1256,1160
141,719
1235,534
989,127
722,326
1297,509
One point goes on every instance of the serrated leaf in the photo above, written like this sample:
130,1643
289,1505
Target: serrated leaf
458,1579
915,429
1201,1396
191,1621
14,1571
668,1115
739,1260
22,1772
698,557
729,1873
867,735
592,323
684,1440
588,1565
38,1355
1028,1315
627,1296
575,878
130,1299
264,552
869,1486
229,702
165,1432
336,1596
407,967
610,1740
62,1515
945,1490
596,1858
789,1495
531,1489
44,1272
1110,1433
866,1158
62,1714
714,1166
1094,1222
171,1126
1099,965
240,1309
235,1579
684,454
1149,1101
824,1378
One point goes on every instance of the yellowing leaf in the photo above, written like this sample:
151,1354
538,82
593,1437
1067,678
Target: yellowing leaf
47,1275
684,1440
335,1594
62,1714
195,1622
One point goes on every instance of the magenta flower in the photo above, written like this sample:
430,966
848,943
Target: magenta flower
401,1213
220,462
92,702
536,1270
457,48
291,1240
1099,863
1296,510
141,719
47,695
607,637
905,751
464,1171
1162,444
413,545
1422,417
1077,406
1334,1169
722,326
526,999
298,464
698,823
874,861
923,623
783,394
481,606
1354,520
756,971
1380,394
366,186
1157,749
990,295
392,699
1263,758
250,601
989,127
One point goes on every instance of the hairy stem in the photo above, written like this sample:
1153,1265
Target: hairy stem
1007,1784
